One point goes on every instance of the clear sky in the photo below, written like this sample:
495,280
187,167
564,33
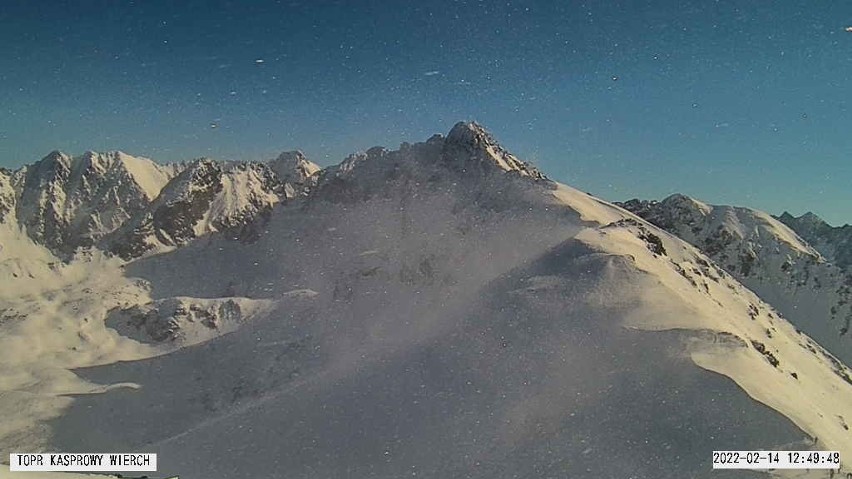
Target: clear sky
733,102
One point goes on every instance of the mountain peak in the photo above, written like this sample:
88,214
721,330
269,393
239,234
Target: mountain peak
832,241
677,198
469,146
682,201
811,217
470,132
293,157
808,221
293,166
54,155
113,154
53,160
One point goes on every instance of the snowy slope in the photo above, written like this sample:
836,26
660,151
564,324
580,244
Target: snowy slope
770,259
834,242
52,319
56,315
441,311
53,313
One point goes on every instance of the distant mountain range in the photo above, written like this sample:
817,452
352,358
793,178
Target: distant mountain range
131,206
439,310
833,242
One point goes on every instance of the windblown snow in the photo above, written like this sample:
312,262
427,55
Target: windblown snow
440,310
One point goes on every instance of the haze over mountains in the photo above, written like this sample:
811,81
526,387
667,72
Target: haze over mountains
439,310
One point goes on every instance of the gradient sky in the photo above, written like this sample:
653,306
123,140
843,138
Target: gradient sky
733,102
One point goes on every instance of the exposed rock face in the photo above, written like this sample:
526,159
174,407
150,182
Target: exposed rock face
7,194
207,196
184,321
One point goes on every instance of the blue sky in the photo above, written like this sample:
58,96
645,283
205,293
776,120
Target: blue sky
735,102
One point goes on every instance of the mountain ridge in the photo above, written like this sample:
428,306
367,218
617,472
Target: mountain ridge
125,204
834,242
438,309
55,207
767,256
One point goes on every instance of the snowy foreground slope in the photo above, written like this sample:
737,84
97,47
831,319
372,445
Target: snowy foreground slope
442,310
770,259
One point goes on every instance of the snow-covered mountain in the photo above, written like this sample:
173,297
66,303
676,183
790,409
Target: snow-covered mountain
65,203
296,172
439,310
480,152
131,206
834,242
767,257
207,196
